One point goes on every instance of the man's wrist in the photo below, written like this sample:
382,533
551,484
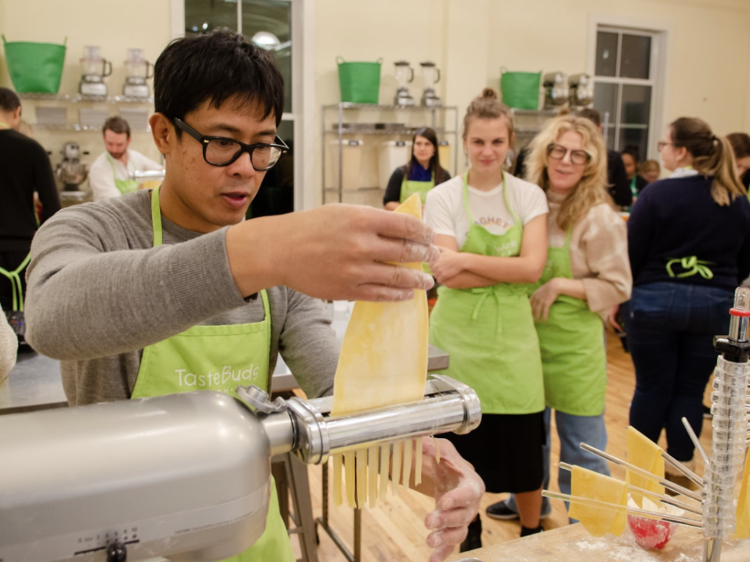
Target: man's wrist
249,257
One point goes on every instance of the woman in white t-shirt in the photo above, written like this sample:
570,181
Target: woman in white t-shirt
492,232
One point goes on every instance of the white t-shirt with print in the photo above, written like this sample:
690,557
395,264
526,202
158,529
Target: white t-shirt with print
445,212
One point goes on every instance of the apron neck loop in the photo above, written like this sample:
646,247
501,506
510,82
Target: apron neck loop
156,218
466,198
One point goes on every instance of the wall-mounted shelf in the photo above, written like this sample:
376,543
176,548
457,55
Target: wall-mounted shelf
346,105
75,98
78,128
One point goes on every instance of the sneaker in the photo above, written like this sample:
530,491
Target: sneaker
501,510
525,531
707,415
473,539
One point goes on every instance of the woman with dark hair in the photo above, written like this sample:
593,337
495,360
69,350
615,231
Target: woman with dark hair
741,146
689,247
631,160
420,174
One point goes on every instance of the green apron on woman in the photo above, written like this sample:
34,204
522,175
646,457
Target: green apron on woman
489,331
572,346
216,358
409,187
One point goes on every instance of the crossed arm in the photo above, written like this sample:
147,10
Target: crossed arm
464,270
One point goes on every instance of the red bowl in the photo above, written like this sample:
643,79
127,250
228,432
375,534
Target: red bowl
650,533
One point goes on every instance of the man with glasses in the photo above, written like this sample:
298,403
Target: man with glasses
167,291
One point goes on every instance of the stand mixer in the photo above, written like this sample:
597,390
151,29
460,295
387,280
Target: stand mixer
95,69
71,172
137,72
186,476
430,77
404,75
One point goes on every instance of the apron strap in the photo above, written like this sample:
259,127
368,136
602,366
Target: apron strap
516,220
692,266
156,217
15,282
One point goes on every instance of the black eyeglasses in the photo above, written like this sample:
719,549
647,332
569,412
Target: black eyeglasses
222,151
558,152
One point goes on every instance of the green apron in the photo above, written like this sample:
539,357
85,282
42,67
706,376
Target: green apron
572,346
489,331
238,353
123,186
409,188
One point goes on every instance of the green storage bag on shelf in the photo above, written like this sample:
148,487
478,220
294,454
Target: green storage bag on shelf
35,67
359,81
520,90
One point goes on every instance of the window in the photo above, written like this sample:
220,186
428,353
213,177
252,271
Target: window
624,86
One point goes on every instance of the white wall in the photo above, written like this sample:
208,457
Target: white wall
114,25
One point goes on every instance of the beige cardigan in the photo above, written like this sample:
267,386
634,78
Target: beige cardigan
598,254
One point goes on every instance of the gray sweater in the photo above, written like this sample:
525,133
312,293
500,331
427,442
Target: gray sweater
99,292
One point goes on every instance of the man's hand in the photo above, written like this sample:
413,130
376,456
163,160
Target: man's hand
449,264
334,252
457,490
543,298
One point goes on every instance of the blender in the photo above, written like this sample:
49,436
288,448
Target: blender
95,68
136,74
555,89
404,75
430,77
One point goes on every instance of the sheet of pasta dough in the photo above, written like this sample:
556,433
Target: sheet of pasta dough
742,530
597,521
645,454
383,358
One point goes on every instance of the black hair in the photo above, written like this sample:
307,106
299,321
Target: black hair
440,173
633,151
9,100
591,114
117,125
214,67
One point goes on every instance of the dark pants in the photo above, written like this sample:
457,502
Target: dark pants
9,261
670,330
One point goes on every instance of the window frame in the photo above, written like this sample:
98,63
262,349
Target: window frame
660,32
303,91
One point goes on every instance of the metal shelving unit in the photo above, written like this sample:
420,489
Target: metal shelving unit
438,115
75,98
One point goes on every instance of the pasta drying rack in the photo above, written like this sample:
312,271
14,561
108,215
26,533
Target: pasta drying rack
711,508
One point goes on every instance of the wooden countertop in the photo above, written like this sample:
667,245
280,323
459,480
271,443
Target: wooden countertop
573,543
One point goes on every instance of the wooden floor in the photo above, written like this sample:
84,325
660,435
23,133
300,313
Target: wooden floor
394,532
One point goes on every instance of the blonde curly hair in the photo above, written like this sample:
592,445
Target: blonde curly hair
592,189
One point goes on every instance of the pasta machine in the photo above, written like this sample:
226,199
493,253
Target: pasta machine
184,476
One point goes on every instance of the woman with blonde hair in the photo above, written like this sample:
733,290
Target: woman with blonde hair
586,274
689,246
491,229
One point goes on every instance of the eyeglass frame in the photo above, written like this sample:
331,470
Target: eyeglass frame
551,147
249,148
661,145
